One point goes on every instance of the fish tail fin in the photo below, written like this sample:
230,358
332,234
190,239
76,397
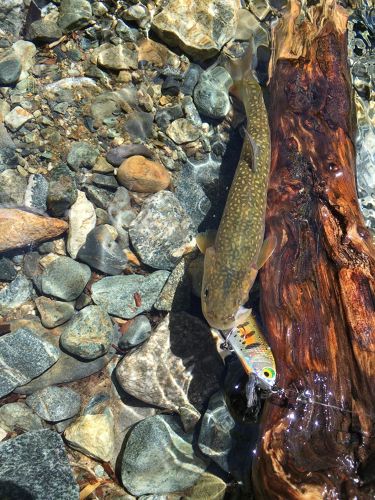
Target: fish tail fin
242,69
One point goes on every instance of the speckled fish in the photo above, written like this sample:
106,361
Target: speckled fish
232,261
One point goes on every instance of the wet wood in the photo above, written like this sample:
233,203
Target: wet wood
317,290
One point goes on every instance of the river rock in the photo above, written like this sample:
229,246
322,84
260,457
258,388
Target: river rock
16,118
19,228
36,192
82,154
159,458
82,219
11,16
175,295
7,270
117,155
44,31
12,187
211,95
182,131
138,330
177,368
62,190
10,70
34,465
156,54
102,252
128,296
117,57
74,14
142,175
93,435
65,278
23,356
89,334
214,23
162,232
55,403
17,293
25,52
15,416
121,215
53,312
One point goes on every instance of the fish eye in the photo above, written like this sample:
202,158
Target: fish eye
206,292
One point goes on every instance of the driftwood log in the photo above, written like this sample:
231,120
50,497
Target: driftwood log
317,290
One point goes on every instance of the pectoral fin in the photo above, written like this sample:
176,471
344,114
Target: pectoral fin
206,240
268,247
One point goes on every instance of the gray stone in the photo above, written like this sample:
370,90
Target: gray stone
105,181
34,465
191,78
159,458
55,403
101,198
138,331
65,278
14,416
175,295
18,292
16,118
12,187
121,215
139,125
117,57
178,368
82,154
36,192
211,95
44,31
11,16
8,157
7,270
74,14
10,70
119,295
117,155
62,190
89,334
182,131
165,115
162,231
102,252
53,312
23,356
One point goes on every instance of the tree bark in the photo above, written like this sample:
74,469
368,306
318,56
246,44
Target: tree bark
317,290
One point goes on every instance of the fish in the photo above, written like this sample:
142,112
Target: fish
254,353
234,255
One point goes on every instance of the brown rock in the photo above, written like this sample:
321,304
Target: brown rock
19,228
145,176
156,54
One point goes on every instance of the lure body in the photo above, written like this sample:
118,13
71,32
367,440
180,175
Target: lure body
255,354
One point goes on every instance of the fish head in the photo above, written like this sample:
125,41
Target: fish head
223,294
264,368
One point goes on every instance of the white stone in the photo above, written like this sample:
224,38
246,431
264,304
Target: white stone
16,118
82,219
25,52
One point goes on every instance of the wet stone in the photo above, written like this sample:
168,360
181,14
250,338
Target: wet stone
55,403
121,215
89,334
93,435
159,457
105,181
62,190
37,192
10,70
82,219
15,416
18,292
142,175
101,198
7,270
74,14
12,187
175,295
191,78
53,312
34,465
23,356
16,118
8,158
162,232
117,57
139,125
82,155
116,156
211,95
165,115
44,31
182,131
137,332
102,252
65,278
128,296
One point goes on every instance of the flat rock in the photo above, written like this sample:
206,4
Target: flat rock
199,27
128,296
159,458
137,331
116,156
162,232
211,95
175,295
12,187
82,154
82,220
16,118
89,334
117,57
65,278
55,403
15,416
44,31
10,70
145,176
23,356
93,435
102,252
182,131
7,270
156,54
178,367
53,312
19,228
74,14
34,465
17,293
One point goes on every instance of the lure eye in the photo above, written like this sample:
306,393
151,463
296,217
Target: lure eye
269,373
